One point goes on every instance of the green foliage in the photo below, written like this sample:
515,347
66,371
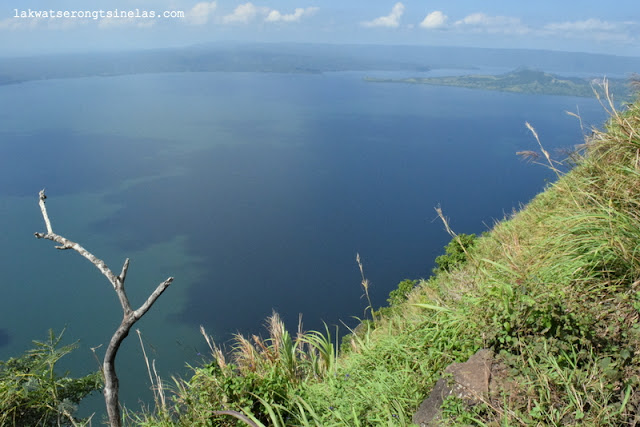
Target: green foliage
455,252
32,393
261,374
396,298
400,294
456,413
385,376
227,388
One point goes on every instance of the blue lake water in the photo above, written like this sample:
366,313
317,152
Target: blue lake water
255,191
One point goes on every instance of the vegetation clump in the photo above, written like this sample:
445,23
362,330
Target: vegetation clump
33,394
455,253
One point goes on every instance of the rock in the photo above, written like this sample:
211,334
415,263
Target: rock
469,381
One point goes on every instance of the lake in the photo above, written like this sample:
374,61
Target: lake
255,191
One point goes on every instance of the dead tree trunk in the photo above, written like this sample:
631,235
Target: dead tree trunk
130,316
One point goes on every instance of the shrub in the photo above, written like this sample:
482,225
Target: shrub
32,393
455,252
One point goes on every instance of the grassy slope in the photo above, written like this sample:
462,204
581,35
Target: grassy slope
554,291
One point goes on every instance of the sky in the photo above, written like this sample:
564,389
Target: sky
90,25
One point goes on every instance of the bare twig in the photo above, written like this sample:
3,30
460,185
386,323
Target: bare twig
365,285
445,221
545,152
93,350
159,389
452,233
146,359
44,211
130,316
577,116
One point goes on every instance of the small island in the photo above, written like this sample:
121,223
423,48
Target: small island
521,80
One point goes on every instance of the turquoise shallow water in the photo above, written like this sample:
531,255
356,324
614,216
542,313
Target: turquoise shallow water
254,190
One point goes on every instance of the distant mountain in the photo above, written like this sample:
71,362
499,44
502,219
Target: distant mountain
302,58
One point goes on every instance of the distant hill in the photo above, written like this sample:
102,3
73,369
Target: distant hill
211,58
521,80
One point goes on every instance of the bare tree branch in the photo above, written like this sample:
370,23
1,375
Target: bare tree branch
44,211
152,298
68,244
130,317
123,273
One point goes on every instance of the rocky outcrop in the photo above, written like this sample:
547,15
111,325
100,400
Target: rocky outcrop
470,381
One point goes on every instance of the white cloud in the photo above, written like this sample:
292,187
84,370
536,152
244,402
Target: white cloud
481,22
247,12
125,22
391,21
107,23
276,16
18,24
587,25
244,14
201,12
592,28
435,19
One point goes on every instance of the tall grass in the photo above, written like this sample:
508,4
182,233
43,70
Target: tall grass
257,381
